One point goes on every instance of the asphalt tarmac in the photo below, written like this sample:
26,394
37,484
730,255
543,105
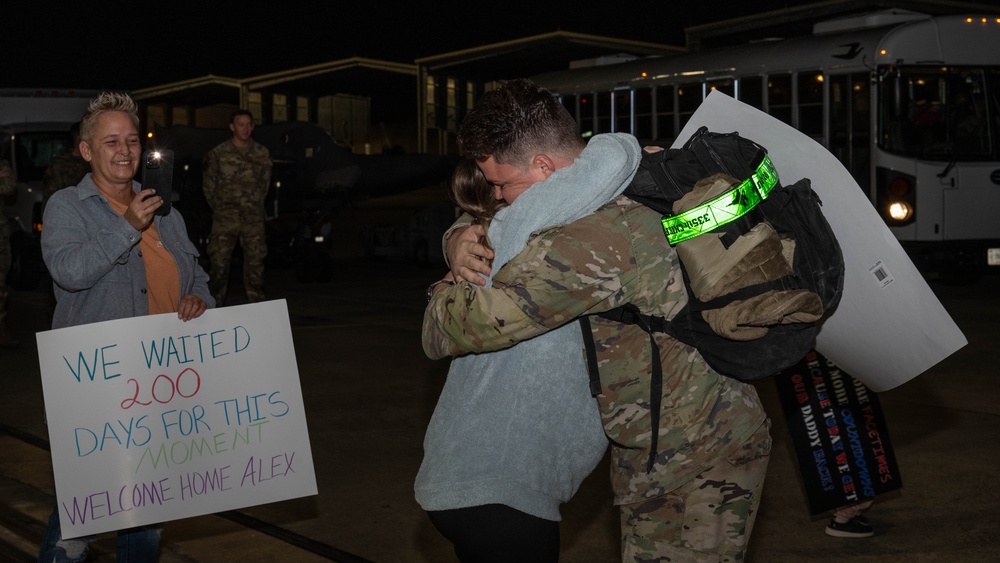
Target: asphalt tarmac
369,392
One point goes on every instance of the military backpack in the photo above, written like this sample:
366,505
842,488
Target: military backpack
760,262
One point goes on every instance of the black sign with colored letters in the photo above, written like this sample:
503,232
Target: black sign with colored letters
839,434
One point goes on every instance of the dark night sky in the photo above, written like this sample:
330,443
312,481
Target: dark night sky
45,44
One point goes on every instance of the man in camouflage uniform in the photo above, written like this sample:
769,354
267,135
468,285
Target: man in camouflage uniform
692,492
237,174
67,169
8,185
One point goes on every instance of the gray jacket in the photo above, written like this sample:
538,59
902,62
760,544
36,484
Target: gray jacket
519,426
93,256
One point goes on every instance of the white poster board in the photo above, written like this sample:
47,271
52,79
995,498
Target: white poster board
889,326
153,419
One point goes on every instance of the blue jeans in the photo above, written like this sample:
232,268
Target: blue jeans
135,545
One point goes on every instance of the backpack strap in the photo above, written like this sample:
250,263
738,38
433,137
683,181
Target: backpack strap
630,314
663,180
591,351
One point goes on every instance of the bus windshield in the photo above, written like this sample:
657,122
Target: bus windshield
941,113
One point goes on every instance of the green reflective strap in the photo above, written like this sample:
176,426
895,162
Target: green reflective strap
724,209
765,178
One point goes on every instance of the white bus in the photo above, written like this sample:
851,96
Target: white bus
909,103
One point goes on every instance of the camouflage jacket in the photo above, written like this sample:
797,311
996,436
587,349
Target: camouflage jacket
615,256
8,185
65,170
237,179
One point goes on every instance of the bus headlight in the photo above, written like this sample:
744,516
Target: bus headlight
900,211
895,196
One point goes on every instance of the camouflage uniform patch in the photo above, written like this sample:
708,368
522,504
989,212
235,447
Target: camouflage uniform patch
235,184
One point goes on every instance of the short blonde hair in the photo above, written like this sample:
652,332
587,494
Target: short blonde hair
105,102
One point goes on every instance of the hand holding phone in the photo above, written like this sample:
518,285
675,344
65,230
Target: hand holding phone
158,174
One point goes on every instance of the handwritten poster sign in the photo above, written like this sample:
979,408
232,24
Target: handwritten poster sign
153,419
840,437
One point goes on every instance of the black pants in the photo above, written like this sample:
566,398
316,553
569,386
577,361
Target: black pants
495,533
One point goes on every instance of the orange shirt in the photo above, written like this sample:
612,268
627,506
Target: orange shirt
163,281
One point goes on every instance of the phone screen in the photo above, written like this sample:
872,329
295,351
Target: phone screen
158,174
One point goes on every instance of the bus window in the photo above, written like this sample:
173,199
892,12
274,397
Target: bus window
840,117
750,91
689,97
665,114
603,124
726,86
779,97
935,112
810,86
850,124
643,114
569,102
968,123
621,102
993,103
586,117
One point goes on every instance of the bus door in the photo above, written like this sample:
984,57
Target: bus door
850,125
970,208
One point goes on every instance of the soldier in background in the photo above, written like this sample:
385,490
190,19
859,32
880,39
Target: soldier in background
237,174
8,184
67,169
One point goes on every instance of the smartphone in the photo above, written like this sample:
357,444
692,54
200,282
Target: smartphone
158,174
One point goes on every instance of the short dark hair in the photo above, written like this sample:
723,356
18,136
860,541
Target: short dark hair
238,112
515,120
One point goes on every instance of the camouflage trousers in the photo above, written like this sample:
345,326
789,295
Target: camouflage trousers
226,232
707,519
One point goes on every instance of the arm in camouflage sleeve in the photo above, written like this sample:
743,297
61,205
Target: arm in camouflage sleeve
557,278
265,173
8,183
210,178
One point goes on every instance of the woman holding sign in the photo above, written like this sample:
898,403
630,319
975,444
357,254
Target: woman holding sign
111,258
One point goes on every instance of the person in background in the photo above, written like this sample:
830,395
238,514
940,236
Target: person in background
237,174
67,169
111,258
688,456
8,186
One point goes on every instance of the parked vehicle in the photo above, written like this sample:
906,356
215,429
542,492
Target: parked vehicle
419,241
34,129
